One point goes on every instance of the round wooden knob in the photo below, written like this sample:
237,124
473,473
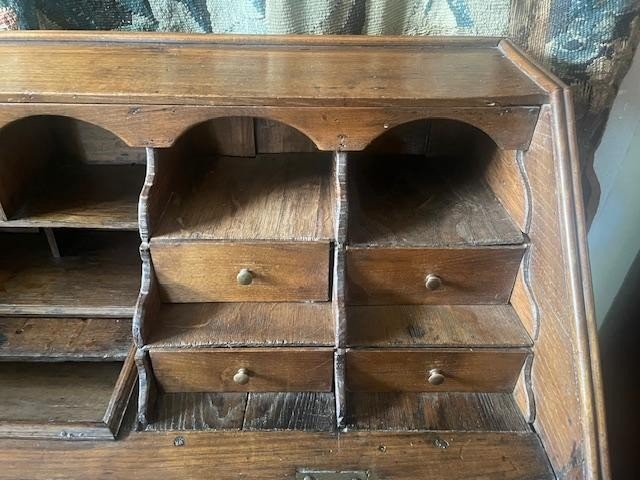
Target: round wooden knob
244,277
241,377
433,282
435,377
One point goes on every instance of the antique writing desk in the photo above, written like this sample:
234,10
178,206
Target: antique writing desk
335,258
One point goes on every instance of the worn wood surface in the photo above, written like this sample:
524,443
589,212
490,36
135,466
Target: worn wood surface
56,392
99,276
119,403
269,197
306,411
204,271
161,125
276,137
400,456
269,369
435,325
388,276
64,339
199,411
465,370
470,412
410,201
242,324
83,196
260,74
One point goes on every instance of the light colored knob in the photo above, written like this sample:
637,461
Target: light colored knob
244,277
432,282
241,377
436,377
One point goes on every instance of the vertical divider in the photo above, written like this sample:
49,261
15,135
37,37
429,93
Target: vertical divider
339,285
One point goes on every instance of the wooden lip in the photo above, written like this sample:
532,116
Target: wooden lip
266,40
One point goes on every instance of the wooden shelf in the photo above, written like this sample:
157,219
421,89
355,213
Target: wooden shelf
268,197
98,277
83,196
242,325
435,326
407,201
468,412
56,392
64,339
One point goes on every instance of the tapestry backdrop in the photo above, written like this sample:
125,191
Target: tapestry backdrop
587,43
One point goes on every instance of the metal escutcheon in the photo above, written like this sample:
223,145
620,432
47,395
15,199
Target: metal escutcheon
241,377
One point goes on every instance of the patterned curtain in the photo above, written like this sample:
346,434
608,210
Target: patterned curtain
587,43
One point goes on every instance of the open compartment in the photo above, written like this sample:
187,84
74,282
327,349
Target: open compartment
241,227
66,300
61,172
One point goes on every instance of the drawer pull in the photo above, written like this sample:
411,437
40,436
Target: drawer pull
432,282
436,377
241,377
244,277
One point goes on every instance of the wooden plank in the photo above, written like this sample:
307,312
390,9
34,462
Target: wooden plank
387,276
306,411
199,411
435,325
232,136
161,126
56,392
269,369
250,74
64,339
469,412
242,324
269,197
276,137
408,201
397,456
204,271
118,405
99,276
465,370
83,196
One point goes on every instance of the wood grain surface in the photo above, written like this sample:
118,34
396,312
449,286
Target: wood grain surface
413,201
99,275
469,412
253,74
269,370
435,325
56,392
465,370
397,456
64,339
396,276
203,271
240,324
268,197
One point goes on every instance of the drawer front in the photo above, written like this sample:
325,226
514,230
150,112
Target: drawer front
265,370
393,276
406,370
208,271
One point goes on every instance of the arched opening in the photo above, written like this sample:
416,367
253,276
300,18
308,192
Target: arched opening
425,184
61,172
244,178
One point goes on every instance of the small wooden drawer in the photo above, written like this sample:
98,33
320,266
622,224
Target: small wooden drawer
395,276
205,271
244,370
441,370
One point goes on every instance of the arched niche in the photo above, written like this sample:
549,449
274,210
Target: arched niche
57,171
436,182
